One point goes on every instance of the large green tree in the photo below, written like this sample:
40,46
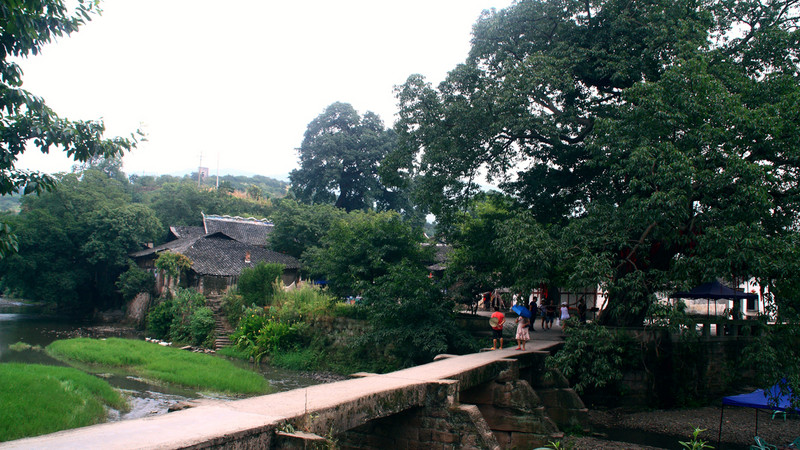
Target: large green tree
364,246
657,140
25,120
339,160
74,242
298,227
477,263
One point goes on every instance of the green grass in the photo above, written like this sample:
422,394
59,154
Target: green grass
158,363
305,359
37,399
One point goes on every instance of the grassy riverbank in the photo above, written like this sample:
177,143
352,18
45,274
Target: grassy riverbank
37,399
161,364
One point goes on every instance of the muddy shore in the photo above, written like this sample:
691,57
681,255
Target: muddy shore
738,427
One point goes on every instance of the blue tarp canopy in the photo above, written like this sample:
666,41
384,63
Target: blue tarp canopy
758,399
761,400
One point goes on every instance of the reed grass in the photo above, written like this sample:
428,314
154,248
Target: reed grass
37,399
158,363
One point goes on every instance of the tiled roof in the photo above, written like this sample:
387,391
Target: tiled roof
251,231
219,255
440,257
182,232
219,248
178,246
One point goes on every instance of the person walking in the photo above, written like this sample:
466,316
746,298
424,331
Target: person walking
564,314
497,327
550,309
522,332
534,313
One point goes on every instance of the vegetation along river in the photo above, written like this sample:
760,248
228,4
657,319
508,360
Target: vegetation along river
20,322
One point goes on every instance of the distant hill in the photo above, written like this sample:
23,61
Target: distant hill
269,186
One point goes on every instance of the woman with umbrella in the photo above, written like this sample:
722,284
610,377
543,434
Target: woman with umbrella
522,326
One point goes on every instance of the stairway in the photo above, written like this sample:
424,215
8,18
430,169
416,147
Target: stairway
222,329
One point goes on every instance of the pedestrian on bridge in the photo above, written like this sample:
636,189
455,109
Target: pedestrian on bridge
497,321
522,332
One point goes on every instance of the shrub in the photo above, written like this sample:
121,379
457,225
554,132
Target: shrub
257,285
592,356
201,325
185,318
304,302
185,303
159,320
411,318
134,281
259,334
233,306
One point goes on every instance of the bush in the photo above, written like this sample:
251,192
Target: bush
201,325
257,285
134,281
233,306
411,317
185,303
592,356
159,320
282,327
259,335
304,302
185,318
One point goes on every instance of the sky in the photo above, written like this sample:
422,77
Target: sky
233,88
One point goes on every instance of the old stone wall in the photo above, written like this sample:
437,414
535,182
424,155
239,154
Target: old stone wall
669,372
136,310
423,428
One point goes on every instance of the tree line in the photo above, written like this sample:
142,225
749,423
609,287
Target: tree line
641,147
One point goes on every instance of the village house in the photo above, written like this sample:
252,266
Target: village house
219,251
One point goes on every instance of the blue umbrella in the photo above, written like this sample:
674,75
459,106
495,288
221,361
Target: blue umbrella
521,311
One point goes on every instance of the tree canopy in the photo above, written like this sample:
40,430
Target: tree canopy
656,141
25,120
74,242
362,247
340,157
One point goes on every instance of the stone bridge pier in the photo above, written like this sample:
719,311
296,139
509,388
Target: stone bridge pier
513,403
489,400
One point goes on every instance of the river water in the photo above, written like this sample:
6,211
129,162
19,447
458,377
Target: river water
19,322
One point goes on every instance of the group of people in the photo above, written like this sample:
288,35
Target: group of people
546,308
498,320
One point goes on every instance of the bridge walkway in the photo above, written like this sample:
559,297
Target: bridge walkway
343,405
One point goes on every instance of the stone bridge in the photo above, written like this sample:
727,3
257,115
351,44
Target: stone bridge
493,399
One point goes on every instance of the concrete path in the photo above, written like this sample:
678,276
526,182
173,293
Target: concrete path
205,424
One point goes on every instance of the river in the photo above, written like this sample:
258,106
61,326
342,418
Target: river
19,322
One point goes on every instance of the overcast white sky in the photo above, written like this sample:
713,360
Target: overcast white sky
240,80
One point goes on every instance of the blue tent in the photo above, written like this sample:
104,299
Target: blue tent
773,400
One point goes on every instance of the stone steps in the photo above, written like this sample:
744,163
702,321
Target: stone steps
222,328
